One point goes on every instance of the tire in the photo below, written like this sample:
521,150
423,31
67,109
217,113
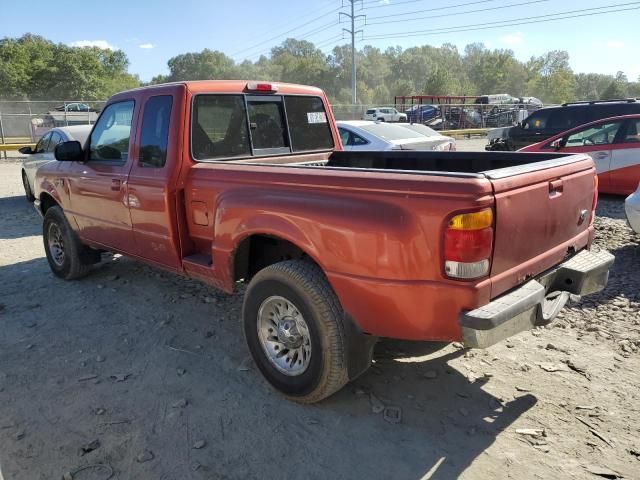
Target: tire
67,257
27,187
304,286
381,119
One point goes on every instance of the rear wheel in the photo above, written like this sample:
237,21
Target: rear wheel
293,324
67,257
27,187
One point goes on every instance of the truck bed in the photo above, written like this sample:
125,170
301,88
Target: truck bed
474,164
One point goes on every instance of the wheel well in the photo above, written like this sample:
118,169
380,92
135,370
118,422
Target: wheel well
259,251
46,202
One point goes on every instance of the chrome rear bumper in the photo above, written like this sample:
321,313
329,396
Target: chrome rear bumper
538,301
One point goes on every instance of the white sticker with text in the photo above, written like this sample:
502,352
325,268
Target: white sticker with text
316,117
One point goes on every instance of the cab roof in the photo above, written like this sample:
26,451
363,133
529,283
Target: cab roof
225,86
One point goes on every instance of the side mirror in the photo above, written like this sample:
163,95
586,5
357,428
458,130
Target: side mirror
69,152
556,144
26,151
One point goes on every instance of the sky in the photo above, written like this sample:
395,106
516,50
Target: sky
151,32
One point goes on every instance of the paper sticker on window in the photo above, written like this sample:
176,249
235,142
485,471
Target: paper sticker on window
316,117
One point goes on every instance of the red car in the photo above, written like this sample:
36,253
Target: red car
613,144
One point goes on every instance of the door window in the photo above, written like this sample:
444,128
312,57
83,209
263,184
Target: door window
56,138
632,133
602,134
43,143
344,136
155,131
110,136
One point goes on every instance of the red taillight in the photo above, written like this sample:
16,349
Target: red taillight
468,244
262,87
595,199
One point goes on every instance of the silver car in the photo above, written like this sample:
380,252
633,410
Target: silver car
43,152
632,208
380,136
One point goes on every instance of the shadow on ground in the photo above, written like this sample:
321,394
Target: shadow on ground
109,358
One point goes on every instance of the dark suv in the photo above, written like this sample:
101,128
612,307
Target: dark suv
550,121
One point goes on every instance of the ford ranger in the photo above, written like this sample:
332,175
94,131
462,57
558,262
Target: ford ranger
235,181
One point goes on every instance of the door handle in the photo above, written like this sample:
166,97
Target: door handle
115,185
602,155
555,187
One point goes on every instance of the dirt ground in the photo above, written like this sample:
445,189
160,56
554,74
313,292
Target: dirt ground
144,375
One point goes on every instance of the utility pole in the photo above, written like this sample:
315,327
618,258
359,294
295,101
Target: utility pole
353,32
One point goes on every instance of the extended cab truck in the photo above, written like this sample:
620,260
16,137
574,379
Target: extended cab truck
229,181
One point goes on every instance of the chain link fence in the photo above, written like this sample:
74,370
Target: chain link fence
444,116
27,121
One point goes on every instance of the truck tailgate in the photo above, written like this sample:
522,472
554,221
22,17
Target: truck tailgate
542,216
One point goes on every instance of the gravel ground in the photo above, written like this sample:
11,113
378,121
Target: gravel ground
145,374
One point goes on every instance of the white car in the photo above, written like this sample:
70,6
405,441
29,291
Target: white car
380,136
632,207
385,114
43,152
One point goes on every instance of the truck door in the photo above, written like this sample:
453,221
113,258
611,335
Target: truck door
98,186
152,182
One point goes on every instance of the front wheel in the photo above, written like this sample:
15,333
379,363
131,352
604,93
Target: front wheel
293,324
67,257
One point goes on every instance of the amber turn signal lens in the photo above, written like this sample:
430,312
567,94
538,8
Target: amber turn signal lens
472,221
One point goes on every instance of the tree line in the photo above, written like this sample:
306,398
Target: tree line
34,68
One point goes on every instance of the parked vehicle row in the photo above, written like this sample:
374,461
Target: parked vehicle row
231,181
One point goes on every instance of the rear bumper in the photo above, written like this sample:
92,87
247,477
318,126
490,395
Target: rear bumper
538,301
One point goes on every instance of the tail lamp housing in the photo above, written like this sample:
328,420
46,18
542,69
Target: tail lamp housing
468,244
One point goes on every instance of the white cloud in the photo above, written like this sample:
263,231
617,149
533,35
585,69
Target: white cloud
512,39
146,45
615,44
93,43
384,2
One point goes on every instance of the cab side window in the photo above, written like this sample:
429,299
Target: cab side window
110,136
43,143
155,131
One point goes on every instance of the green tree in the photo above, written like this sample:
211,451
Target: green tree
32,67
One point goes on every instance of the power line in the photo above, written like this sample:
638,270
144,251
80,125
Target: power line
507,23
500,7
260,44
303,36
395,4
435,9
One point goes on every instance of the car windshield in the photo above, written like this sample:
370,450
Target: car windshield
371,110
421,129
389,132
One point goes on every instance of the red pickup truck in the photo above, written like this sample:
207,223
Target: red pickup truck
234,181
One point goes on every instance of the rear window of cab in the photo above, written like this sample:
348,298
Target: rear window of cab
228,126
